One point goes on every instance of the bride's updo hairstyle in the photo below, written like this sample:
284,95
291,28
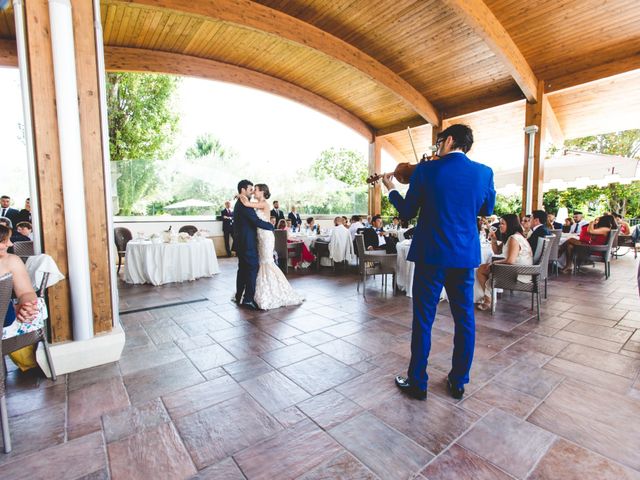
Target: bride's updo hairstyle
264,189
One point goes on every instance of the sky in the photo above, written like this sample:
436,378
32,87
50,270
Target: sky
279,134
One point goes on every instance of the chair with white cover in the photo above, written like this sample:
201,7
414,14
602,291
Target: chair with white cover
340,245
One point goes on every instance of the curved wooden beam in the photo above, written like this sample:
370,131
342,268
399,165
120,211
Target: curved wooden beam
141,60
258,17
8,53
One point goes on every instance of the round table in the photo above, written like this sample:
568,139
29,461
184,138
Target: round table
406,268
160,263
309,240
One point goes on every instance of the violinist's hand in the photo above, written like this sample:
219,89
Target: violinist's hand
386,180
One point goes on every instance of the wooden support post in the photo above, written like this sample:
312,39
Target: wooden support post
93,164
535,116
47,153
375,166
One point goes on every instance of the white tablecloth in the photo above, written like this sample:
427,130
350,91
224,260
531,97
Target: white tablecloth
310,240
159,263
405,269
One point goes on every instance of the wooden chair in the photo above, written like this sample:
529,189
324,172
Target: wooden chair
374,262
285,250
506,276
322,251
190,229
122,236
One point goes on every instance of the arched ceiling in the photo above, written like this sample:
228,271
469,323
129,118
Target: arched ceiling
377,66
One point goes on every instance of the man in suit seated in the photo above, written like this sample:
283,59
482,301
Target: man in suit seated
578,222
296,221
375,238
276,212
538,229
22,233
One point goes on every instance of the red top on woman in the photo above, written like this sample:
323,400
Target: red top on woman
589,239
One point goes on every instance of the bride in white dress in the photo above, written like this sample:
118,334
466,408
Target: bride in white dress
272,287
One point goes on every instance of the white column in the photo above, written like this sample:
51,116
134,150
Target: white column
64,71
25,87
531,131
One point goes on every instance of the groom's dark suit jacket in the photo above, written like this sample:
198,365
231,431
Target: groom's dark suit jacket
245,222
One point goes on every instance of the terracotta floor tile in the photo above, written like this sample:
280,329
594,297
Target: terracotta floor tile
432,424
289,416
34,399
385,451
279,330
34,431
608,362
247,368
154,453
462,464
593,376
72,460
288,454
507,399
508,442
224,470
577,463
588,341
154,382
233,332
587,319
370,388
319,373
316,337
530,379
598,331
212,356
608,313
274,391
343,329
344,351
200,396
309,322
289,354
329,409
251,345
216,432
122,423
594,418
88,404
89,376
165,334
191,343
142,360
341,467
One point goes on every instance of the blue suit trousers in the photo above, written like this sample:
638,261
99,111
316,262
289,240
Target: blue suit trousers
427,285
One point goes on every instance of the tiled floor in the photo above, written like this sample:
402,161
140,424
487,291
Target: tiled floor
205,390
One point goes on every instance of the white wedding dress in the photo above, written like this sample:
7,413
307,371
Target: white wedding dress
272,287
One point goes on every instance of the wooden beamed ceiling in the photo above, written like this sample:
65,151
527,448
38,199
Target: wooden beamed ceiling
378,66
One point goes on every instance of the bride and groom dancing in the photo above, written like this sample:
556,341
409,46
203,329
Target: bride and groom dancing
259,283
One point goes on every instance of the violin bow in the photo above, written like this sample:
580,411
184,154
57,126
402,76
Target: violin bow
412,145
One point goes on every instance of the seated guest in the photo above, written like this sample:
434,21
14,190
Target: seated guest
395,224
273,221
384,241
24,316
25,214
283,225
290,226
355,225
296,221
515,249
593,233
623,227
312,227
568,223
551,222
23,233
408,233
337,221
538,229
578,222
345,222
525,223
367,224
6,222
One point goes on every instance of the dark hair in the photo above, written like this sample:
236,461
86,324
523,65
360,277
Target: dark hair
617,215
282,224
396,218
541,215
606,221
513,225
309,220
375,218
6,221
404,223
462,136
264,189
24,225
244,184
5,196
577,213
355,218
5,232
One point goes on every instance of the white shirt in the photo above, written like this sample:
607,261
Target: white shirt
353,229
576,227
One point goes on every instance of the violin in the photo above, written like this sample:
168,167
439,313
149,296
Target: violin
403,171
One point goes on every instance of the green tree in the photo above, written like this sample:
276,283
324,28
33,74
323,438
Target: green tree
207,145
507,204
142,124
345,165
626,143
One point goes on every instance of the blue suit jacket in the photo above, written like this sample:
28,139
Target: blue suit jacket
450,193
245,222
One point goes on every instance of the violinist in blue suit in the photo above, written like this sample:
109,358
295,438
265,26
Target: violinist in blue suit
449,193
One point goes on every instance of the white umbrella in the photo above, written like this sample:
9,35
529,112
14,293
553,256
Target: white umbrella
189,203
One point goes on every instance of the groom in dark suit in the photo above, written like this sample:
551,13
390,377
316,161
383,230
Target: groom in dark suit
245,222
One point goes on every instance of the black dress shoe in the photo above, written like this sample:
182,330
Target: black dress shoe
403,384
250,305
456,392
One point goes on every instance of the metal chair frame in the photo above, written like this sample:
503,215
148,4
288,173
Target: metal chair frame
374,263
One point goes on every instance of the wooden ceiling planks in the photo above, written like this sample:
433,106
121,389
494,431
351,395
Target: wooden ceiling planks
7,24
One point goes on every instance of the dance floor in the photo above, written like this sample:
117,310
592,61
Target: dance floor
206,390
